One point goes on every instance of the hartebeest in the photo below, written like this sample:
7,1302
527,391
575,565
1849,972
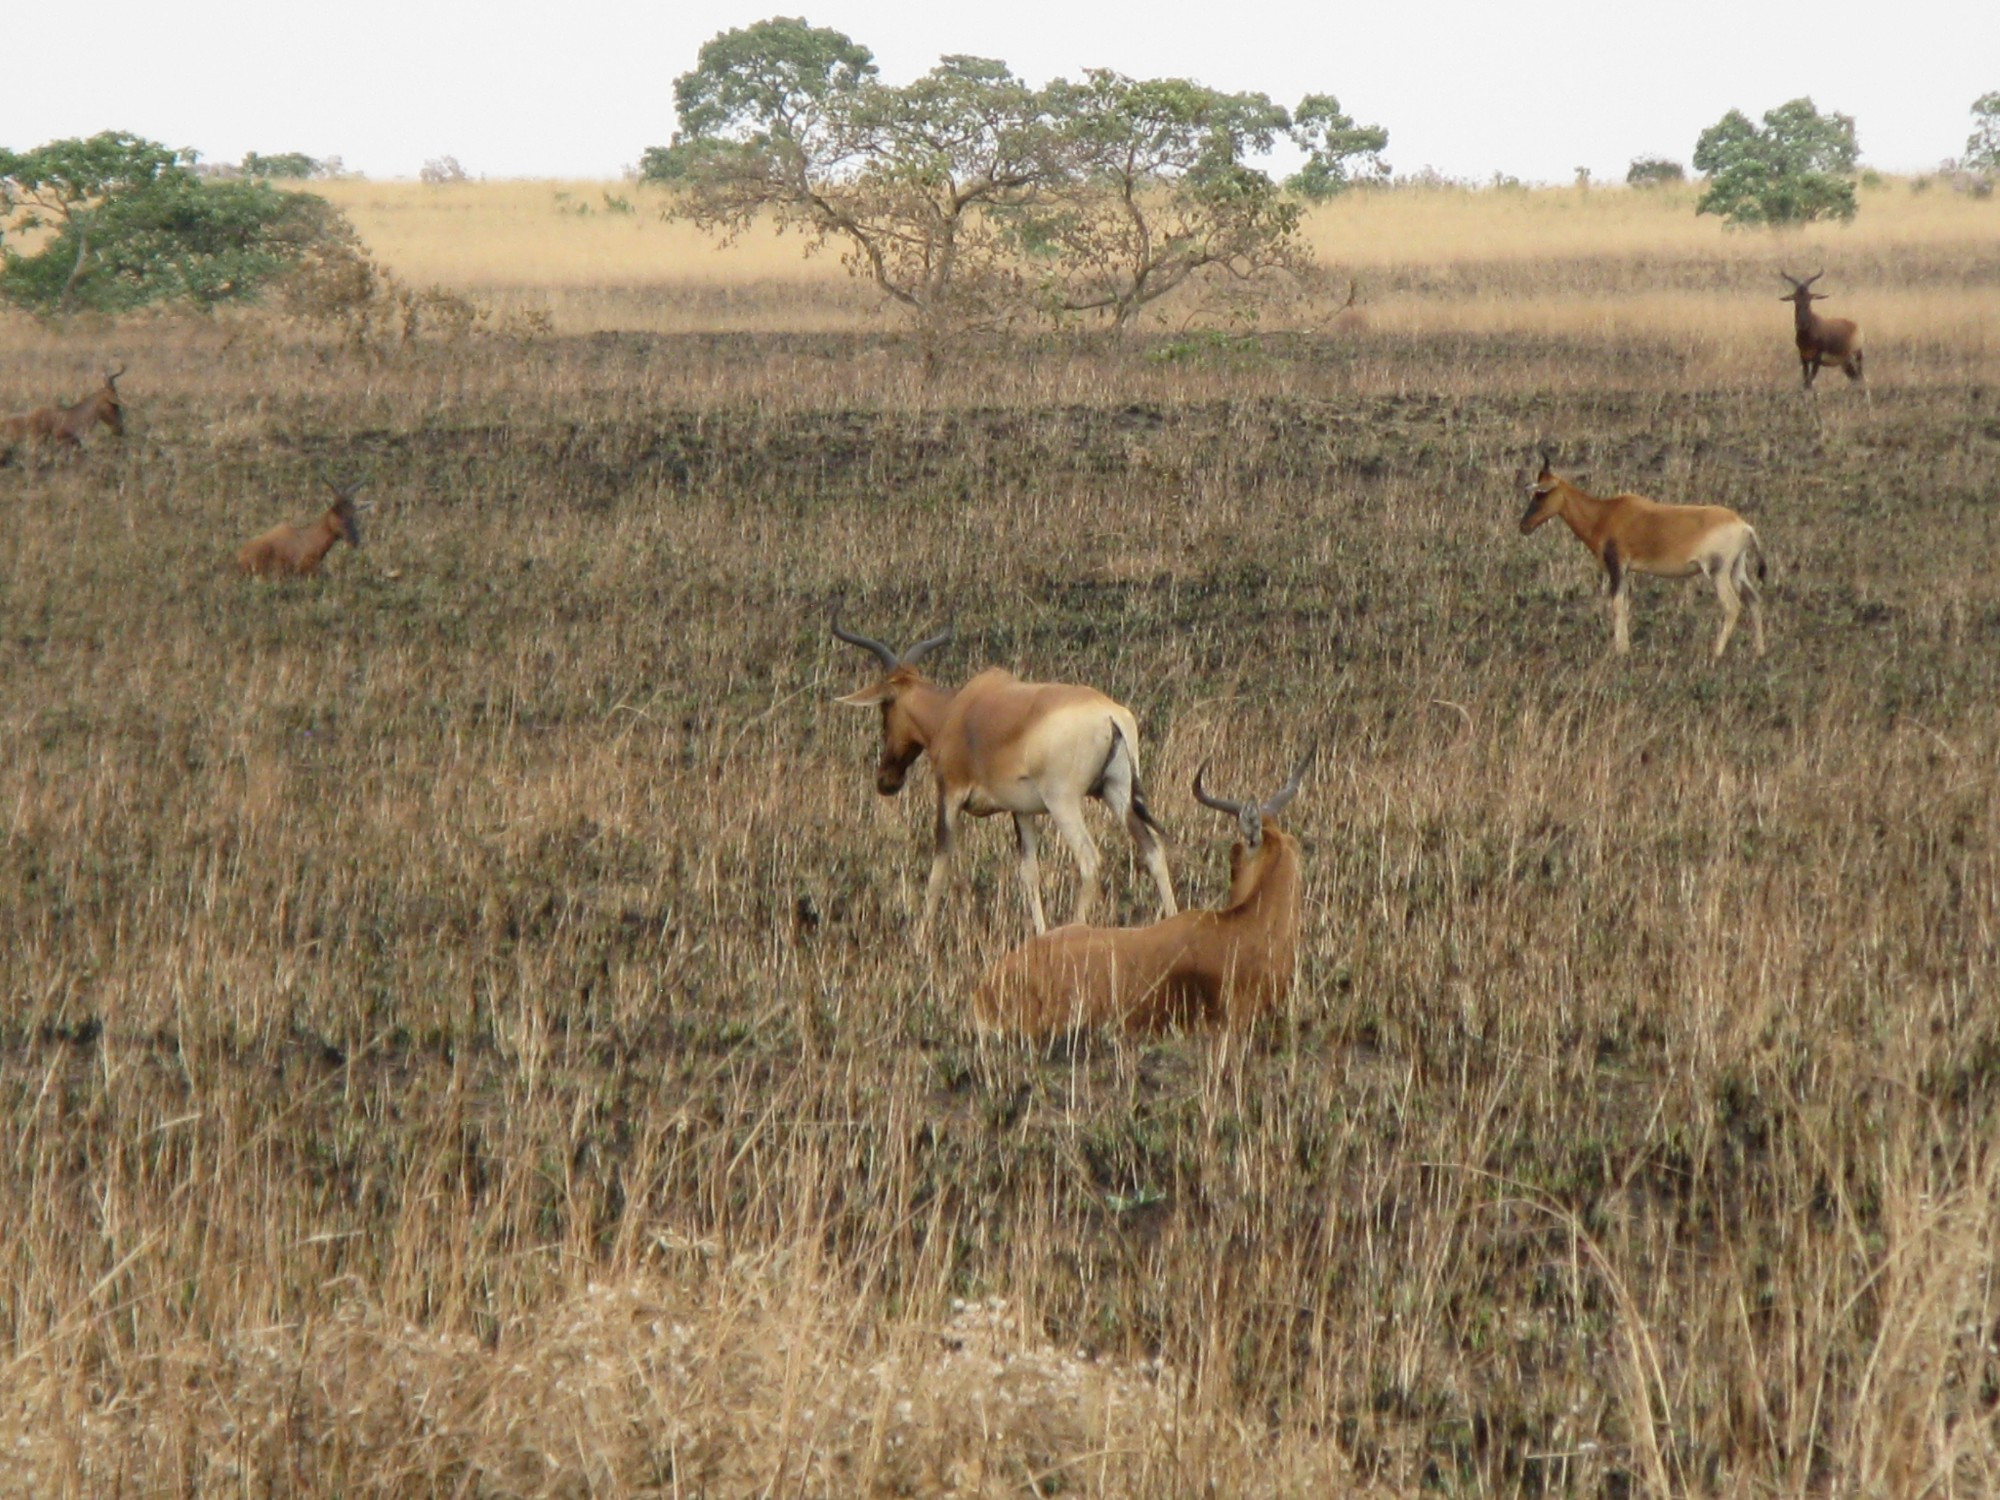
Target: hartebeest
1821,340
1215,967
295,551
1000,745
64,426
1630,534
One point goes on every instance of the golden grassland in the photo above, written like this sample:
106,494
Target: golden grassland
460,1030
1602,260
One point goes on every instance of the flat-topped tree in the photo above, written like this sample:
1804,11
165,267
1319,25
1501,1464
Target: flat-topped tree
788,121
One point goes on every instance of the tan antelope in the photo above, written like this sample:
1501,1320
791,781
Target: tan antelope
1221,967
64,426
288,551
1630,534
1000,745
1821,340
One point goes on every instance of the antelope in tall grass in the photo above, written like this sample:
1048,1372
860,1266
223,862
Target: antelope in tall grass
1000,745
64,426
1630,534
1821,340
1224,966
288,551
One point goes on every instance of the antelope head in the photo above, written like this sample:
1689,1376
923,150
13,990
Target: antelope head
110,411
1799,296
903,740
1250,816
346,514
1541,490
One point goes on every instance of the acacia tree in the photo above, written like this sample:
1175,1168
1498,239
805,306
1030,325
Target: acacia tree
1153,190
1982,147
1339,152
116,222
1796,167
786,119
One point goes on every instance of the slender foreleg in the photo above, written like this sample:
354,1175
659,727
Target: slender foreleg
947,830
1619,585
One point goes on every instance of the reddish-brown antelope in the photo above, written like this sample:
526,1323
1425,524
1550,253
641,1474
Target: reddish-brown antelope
64,426
1224,966
288,551
1834,341
1000,745
1630,534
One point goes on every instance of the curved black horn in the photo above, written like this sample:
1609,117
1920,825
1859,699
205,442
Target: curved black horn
1814,277
1549,458
1788,276
1277,801
923,648
111,376
882,652
1220,804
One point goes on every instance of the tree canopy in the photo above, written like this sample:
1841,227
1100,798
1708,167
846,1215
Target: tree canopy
1796,167
1982,147
970,197
113,222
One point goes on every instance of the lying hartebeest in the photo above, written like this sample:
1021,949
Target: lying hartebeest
1222,967
1000,745
1630,534
64,426
1835,341
288,551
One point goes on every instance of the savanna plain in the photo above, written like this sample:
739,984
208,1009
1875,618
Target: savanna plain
462,1033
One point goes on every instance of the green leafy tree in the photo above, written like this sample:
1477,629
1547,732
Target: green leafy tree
1338,152
1152,189
1654,171
1982,147
294,165
788,120
115,222
1796,167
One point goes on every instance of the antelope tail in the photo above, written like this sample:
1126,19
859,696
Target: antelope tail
1119,747
1757,548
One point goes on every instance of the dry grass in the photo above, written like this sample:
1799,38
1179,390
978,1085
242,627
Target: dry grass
459,1032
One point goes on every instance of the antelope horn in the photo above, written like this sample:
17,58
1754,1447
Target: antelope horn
1548,458
1277,801
917,652
1814,277
111,376
882,652
1220,804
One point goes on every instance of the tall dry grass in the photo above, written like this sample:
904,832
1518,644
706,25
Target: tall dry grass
460,1033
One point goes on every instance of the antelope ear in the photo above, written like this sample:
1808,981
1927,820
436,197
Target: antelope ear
870,697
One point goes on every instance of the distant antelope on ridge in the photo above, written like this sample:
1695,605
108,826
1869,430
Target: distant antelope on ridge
1835,341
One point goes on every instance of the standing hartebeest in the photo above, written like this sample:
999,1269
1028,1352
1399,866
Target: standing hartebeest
1222,967
1630,534
64,426
288,551
1000,745
1821,340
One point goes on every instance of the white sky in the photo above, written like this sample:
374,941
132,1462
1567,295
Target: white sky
1534,88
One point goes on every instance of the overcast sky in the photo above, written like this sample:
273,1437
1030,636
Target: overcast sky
1534,88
